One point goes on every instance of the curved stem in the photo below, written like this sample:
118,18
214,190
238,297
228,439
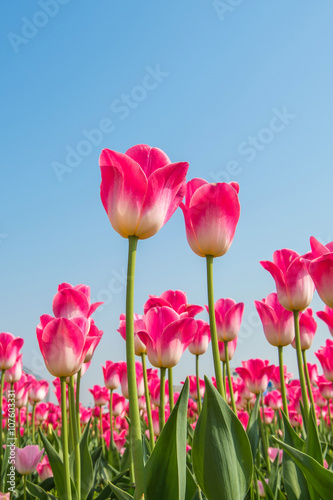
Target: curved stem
231,389
1,398
77,402
198,382
308,382
283,382
136,443
170,380
148,405
212,322
300,369
162,399
77,462
64,434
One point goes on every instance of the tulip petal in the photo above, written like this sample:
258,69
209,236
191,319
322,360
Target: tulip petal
321,271
149,159
69,303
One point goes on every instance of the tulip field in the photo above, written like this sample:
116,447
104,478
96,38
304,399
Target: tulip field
258,432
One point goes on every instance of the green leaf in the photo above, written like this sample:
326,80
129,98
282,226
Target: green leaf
38,492
274,477
87,471
120,494
145,449
252,429
312,443
267,489
320,478
294,481
191,485
221,453
165,471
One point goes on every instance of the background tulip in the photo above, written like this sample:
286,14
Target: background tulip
277,322
327,317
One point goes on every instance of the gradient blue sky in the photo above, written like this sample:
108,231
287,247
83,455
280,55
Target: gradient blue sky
223,78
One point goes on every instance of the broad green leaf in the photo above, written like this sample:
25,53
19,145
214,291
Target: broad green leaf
120,494
38,492
221,453
294,481
165,471
87,471
145,449
320,478
252,429
312,443
191,485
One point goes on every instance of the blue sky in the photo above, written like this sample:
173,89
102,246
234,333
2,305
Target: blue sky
243,93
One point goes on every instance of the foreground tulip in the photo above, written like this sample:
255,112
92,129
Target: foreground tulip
325,356
27,458
176,299
327,317
321,269
307,329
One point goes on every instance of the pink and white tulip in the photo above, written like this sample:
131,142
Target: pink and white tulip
277,322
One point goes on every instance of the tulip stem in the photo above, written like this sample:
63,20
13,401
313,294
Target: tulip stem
19,427
162,399
1,398
224,376
283,382
77,402
77,462
64,433
330,415
300,369
33,421
198,382
212,321
25,487
101,439
170,380
136,443
264,436
111,419
231,389
148,405
308,381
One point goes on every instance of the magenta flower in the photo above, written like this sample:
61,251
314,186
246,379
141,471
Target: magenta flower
211,213
73,301
325,388
193,387
307,329
94,337
13,374
273,399
256,374
100,395
38,390
231,349
277,322
167,336
176,299
9,350
321,269
111,375
228,317
27,458
327,317
124,380
118,405
201,339
325,356
273,453
275,377
293,283
141,189
139,325
44,469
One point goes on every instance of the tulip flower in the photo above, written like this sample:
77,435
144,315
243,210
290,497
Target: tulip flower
325,387
193,387
273,453
325,356
277,322
118,405
38,390
111,375
307,329
256,374
273,399
27,458
176,299
228,316
327,317
124,379
14,373
321,269
139,325
9,350
276,379
100,395
231,349
44,469
73,301
201,339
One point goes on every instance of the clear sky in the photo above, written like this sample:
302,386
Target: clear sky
240,90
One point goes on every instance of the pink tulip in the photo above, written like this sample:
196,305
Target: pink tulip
275,377
85,415
261,489
321,269
118,405
325,356
273,453
295,418
231,349
119,440
44,469
293,283
176,299
228,316
201,339
244,418
100,395
318,399
139,325
273,399
38,390
73,301
313,373
154,389
141,189
307,329
14,373
124,381
41,412
4,496
27,458
166,336
277,322
211,213
9,350
267,415
256,374
111,375
95,335
327,317
193,387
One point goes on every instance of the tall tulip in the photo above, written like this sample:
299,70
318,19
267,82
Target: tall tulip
327,317
176,299
321,269
211,213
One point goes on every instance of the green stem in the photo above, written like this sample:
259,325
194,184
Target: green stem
198,382
25,487
283,382
264,437
111,419
162,399
65,438
308,382
27,419
300,369
101,439
19,427
212,321
330,415
231,389
224,376
33,422
1,398
148,405
77,462
77,402
136,443
170,379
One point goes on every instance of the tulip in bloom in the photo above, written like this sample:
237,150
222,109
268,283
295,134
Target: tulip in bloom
273,453
124,381
307,329
256,374
139,325
38,390
27,458
228,317
293,283
141,189
211,213
44,469
73,301
273,399
321,269
193,387
325,356
9,350
100,395
325,387
199,344
166,336
14,373
327,317
231,349
111,375
277,322
176,299
275,377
